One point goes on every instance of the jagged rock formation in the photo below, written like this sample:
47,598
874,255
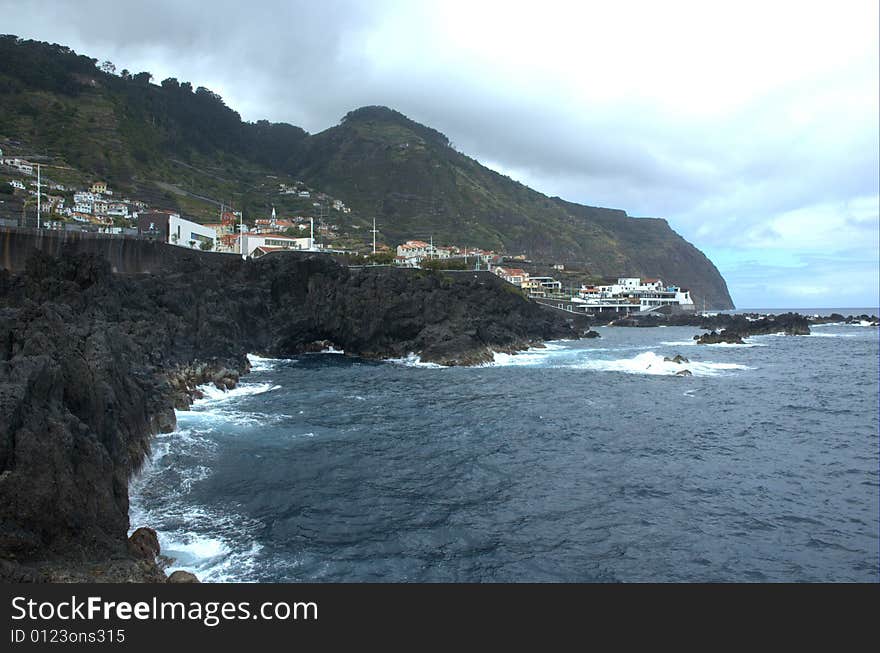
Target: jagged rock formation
725,336
92,363
738,327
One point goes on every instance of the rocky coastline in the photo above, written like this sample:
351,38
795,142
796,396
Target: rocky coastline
733,328
93,364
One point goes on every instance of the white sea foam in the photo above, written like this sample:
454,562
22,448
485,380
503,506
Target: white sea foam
209,418
193,550
212,558
832,335
860,323
530,357
653,364
260,364
551,351
332,350
414,360
220,549
689,343
212,394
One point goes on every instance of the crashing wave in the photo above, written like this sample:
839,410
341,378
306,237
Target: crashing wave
414,360
213,394
654,364
260,364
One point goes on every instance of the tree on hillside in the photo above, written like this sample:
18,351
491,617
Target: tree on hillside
443,264
381,258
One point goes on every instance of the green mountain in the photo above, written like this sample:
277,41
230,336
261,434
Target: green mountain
180,147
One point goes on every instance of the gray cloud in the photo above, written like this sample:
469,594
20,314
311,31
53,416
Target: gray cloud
730,147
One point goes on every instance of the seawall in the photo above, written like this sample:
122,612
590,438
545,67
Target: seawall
125,254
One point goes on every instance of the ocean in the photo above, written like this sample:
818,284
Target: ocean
584,461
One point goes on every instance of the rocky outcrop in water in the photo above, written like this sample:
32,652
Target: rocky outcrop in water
836,318
181,576
716,338
92,365
740,326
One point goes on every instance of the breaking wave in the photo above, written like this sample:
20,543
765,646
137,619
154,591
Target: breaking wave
531,356
204,540
690,343
213,394
652,363
414,360
260,364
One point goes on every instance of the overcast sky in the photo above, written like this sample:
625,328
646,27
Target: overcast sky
751,126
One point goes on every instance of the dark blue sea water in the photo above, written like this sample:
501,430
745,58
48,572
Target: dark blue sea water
585,461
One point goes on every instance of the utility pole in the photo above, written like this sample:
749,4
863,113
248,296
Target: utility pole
38,196
374,235
240,232
312,232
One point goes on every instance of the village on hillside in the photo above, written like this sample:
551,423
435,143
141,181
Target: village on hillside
623,295
99,209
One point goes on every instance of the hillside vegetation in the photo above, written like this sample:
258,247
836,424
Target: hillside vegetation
181,147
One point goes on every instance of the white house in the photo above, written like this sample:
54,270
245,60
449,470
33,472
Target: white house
250,241
15,183
414,251
540,286
24,167
516,276
119,209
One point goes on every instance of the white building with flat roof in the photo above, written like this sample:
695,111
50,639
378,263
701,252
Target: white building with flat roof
250,241
186,233
632,294
169,227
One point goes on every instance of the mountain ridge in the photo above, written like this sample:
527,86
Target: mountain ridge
149,138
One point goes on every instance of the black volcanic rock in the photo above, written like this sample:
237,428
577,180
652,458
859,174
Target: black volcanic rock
92,364
737,327
144,543
716,338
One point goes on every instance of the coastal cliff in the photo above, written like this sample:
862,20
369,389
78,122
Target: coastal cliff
179,148
92,364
